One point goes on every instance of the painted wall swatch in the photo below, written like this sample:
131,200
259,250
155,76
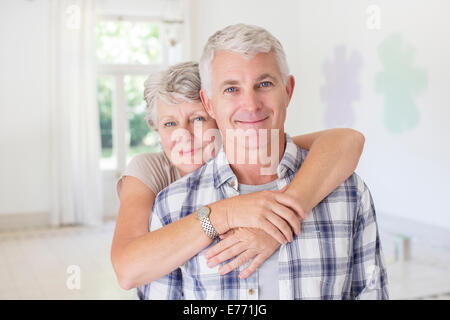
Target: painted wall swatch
342,87
399,82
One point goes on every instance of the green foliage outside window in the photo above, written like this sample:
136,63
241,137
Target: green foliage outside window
126,42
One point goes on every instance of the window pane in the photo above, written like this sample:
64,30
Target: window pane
105,87
128,42
142,138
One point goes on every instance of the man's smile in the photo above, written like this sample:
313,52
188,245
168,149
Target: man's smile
251,122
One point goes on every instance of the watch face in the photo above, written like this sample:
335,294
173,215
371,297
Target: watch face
203,212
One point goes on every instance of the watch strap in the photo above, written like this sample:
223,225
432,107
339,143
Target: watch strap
208,228
203,215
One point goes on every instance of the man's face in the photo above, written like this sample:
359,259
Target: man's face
247,93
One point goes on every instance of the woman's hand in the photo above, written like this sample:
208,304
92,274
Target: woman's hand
275,212
243,244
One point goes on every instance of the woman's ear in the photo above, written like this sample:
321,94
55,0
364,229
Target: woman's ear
207,103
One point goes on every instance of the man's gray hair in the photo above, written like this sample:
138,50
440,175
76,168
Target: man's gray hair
244,39
180,83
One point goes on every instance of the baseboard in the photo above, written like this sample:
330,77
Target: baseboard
110,217
21,221
17,221
418,232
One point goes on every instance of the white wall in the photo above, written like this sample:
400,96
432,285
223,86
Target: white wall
24,115
408,173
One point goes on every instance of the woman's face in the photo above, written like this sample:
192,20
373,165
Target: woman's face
187,132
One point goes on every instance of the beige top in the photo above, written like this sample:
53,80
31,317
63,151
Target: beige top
153,169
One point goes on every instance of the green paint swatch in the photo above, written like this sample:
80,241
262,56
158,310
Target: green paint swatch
399,82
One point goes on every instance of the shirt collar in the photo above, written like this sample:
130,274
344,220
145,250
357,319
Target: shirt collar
289,164
221,168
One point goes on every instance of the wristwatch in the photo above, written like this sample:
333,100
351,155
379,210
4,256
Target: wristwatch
203,215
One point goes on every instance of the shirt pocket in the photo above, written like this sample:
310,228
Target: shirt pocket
324,250
336,240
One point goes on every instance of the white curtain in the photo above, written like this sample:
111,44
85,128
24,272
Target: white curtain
76,195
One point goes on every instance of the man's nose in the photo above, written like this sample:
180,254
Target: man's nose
250,101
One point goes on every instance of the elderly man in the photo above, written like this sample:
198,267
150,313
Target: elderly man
246,88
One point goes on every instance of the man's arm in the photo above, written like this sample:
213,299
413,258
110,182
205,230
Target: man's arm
369,278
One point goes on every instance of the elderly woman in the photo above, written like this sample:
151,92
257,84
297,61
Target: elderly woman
173,102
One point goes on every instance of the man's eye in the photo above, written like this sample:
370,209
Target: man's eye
199,118
265,84
230,90
169,124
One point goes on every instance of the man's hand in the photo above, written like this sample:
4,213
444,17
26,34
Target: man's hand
244,244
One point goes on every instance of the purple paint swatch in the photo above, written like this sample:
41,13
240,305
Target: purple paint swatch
342,88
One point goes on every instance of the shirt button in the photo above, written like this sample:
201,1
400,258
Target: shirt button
251,291
233,183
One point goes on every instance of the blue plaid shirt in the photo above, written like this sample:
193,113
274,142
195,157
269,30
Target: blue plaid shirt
337,254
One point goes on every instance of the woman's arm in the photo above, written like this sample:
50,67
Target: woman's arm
139,256
333,156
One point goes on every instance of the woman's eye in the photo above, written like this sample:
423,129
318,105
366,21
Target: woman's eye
230,90
265,84
169,124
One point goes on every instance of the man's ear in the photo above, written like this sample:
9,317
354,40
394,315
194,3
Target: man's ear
290,84
207,103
